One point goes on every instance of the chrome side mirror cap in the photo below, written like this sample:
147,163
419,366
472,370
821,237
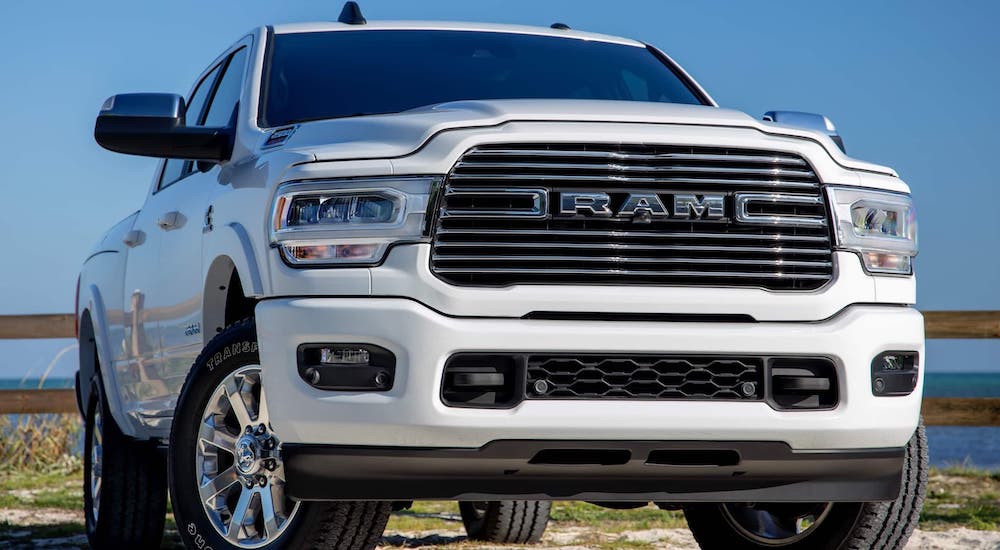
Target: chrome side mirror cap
807,121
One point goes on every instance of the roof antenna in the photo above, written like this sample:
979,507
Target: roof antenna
351,14
560,26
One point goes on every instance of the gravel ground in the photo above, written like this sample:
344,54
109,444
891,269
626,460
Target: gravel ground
669,539
557,536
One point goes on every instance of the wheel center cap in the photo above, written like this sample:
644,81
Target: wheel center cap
247,455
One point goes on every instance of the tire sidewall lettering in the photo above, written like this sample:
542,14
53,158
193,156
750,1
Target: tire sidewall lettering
230,351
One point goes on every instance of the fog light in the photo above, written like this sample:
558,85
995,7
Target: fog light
895,373
344,356
347,367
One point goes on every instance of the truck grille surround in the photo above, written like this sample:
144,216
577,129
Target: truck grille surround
503,380
502,218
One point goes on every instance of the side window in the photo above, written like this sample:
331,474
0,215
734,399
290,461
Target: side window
227,93
173,170
177,169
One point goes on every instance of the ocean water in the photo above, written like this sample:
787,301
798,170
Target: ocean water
35,383
962,384
973,446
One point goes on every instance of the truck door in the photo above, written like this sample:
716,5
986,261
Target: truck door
148,383
181,271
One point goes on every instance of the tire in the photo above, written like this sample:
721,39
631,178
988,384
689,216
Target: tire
840,526
124,483
506,521
201,415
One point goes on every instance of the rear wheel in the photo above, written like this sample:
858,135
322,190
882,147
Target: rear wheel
227,481
124,483
505,521
820,526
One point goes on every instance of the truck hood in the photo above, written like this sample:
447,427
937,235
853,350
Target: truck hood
399,134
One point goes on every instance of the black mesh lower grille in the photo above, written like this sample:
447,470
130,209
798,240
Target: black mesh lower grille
642,376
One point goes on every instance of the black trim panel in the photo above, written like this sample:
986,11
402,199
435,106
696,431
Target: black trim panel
525,469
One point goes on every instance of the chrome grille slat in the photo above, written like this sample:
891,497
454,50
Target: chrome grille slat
636,272
624,259
483,246
662,181
603,155
635,234
644,247
776,172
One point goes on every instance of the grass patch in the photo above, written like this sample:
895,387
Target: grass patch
616,521
966,469
10,532
444,516
427,516
39,442
42,490
960,496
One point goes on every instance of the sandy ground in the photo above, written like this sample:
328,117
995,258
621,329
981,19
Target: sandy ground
674,539
566,538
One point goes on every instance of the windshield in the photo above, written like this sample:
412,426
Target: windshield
349,73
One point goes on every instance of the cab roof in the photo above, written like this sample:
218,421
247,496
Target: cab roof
323,26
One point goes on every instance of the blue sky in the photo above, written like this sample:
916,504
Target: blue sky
909,84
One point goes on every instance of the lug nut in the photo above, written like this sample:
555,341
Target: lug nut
269,443
270,464
249,429
262,481
249,484
261,429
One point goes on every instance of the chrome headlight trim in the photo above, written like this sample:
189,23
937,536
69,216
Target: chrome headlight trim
885,250
350,244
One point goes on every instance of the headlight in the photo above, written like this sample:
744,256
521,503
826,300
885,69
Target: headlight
880,226
348,222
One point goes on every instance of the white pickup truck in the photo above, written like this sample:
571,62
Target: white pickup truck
499,265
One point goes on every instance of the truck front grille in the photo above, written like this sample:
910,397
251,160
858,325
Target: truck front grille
502,218
644,377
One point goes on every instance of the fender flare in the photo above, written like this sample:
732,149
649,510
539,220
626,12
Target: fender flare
233,241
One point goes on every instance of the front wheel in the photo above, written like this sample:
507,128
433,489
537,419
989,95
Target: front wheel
227,481
819,526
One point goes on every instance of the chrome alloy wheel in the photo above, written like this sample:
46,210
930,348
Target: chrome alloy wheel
776,524
96,456
241,480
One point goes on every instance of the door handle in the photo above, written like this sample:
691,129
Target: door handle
134,238
170,220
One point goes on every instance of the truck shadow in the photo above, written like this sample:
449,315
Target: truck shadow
402,541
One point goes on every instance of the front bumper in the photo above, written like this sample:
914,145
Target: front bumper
661,471
412,414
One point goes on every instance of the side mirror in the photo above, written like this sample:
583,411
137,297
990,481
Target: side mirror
808,121
152,125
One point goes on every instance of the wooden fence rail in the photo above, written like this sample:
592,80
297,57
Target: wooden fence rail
937,324
937,411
